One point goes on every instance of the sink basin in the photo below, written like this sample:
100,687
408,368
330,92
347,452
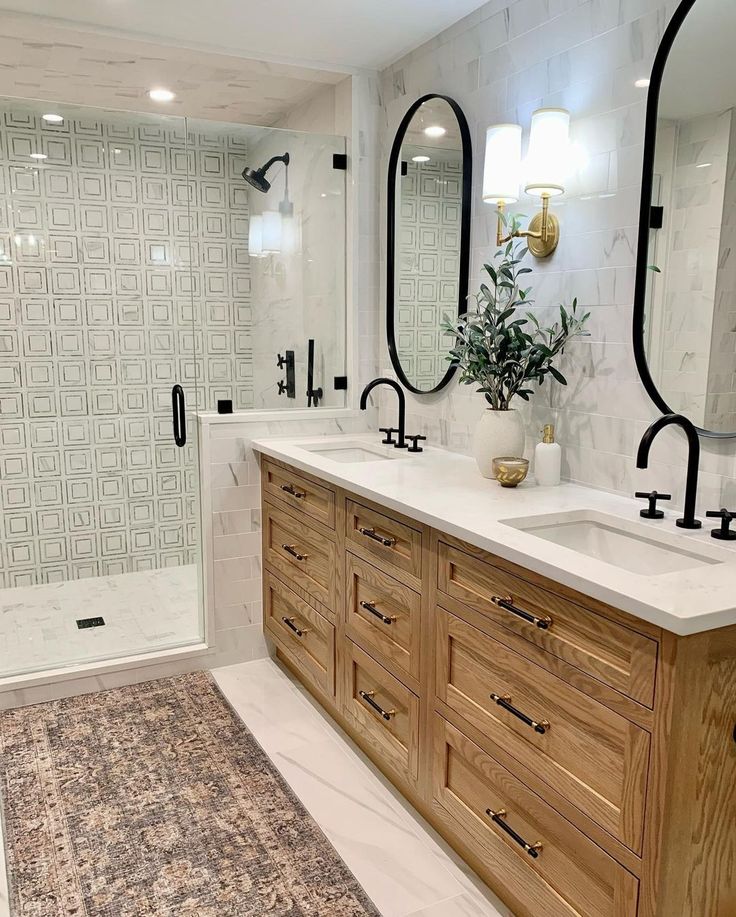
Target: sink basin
349,452
630,546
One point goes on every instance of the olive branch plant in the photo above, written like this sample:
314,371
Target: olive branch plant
499,349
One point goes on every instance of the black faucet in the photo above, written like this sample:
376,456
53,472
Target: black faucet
688,521
399,444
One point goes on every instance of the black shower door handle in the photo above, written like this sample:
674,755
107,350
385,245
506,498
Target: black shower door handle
179,416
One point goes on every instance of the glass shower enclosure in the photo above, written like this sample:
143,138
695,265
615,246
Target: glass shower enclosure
136,289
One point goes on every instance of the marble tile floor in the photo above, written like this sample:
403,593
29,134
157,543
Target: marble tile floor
144,611
402,864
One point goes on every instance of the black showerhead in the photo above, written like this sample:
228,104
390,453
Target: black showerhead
256,178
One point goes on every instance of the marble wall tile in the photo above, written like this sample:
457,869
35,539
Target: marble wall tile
500,65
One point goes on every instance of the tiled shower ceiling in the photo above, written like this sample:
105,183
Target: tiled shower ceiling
45,61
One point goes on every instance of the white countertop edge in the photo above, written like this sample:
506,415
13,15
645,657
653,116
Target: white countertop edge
211,418
668,619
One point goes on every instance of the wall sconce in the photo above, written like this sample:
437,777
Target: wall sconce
545,174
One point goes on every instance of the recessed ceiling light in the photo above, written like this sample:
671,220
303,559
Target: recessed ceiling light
642,84
52,118
420,158
161,95
38,156
434,130
704,165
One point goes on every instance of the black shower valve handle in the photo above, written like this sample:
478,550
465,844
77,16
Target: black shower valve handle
651,512
726,516
389,431
282,387
281,361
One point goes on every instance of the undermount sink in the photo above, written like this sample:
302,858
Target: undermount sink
628,545
349,452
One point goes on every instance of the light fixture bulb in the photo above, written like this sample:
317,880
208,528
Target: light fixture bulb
548,161
420,158
502,172
52,118
161,95
434,130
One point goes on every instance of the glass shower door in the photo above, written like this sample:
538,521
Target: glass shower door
99,499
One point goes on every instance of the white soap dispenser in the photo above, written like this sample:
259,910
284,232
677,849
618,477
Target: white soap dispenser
547,459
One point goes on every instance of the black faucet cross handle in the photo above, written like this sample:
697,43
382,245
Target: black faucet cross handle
723,533
415,447
281,361
651,512
389,431
282,387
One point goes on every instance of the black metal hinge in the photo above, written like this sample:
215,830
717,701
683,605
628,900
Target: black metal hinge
656,217
340,161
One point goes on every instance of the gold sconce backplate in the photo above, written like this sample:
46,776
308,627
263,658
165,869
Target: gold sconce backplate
538,247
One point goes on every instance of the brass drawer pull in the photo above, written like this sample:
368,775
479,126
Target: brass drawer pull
386,540
368,696
370,606
507,603
290,549
293,492
498,818
289,622
504,700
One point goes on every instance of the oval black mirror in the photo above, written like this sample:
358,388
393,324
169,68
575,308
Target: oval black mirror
684,324
429,193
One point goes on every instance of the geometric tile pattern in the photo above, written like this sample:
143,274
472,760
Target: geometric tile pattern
429,268
123,270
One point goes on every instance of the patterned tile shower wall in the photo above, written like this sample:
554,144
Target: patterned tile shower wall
123,253
429,267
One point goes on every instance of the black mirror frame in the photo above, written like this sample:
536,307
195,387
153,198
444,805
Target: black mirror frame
642,257
391,232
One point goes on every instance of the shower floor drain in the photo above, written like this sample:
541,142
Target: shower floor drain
90,622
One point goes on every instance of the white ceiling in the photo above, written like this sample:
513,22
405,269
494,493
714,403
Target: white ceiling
334,34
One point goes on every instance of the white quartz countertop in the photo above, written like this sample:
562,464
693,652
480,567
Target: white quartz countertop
445,490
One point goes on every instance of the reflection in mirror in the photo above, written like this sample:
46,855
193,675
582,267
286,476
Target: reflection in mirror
428,257
689,282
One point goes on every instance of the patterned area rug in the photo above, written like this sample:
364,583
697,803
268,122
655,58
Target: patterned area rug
155,799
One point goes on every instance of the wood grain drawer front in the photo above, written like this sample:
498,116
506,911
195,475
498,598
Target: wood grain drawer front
567,875
596,758
384,614
303,632
300,552
608,651
384,711
389,540
301,494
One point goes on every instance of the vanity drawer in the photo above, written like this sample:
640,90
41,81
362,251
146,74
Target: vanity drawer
593,756
395,543
383,711
614,654
301,553
304,496
570,876
303,633
384,614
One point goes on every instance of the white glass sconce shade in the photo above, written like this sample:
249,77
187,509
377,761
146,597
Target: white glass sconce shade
502,171
255,236
549,152
272,232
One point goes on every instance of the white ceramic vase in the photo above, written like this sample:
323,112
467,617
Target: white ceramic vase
499,433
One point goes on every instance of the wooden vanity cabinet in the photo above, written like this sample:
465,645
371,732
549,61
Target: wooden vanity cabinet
581,760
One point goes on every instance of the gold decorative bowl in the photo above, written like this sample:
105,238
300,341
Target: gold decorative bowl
509,470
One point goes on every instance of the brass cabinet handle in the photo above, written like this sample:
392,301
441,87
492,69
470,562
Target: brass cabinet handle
387,541
293,492
289,622
371,607
504,700
498,818
368,696
507,603
290,549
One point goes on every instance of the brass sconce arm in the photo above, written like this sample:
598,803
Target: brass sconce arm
543,232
